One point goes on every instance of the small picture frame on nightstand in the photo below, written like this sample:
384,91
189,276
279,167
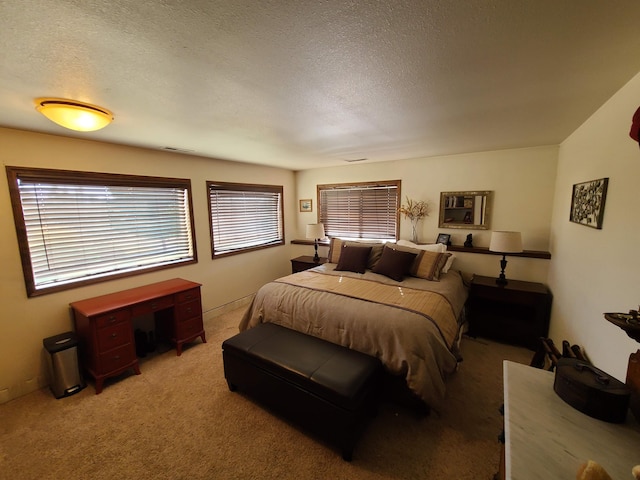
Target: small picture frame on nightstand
444,238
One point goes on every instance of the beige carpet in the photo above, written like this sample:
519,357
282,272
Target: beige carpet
178,420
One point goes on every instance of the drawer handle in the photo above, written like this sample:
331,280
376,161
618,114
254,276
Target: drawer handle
154,306
188,297
117,357
189,310
114,335
112,318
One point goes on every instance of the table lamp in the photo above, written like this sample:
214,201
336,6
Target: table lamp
315,231
505,242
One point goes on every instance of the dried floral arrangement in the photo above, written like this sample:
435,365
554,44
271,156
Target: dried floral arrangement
414,210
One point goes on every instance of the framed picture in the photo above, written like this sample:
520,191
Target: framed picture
587,202
306,205
444,238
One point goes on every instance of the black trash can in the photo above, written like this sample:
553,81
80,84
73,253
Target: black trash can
63,350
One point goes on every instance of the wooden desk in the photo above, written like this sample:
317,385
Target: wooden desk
104,324
547,438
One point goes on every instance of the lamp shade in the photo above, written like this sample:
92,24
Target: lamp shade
79,116
506,242
315,230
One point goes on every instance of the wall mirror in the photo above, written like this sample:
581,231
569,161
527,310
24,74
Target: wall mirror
468,210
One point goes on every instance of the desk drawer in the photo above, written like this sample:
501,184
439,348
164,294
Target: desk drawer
188,295
114,336
112,318
152,306
188,310
187,328
116,359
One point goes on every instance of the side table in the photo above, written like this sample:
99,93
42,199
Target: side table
517,313
305,262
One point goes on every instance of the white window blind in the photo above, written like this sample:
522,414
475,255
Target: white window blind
245,217
364,211
84,230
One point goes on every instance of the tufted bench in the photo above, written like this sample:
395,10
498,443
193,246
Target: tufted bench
326,388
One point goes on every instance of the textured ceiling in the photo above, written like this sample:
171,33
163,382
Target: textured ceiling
304,84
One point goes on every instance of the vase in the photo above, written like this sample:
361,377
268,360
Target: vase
414,231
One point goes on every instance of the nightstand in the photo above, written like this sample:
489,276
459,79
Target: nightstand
517,313
305,262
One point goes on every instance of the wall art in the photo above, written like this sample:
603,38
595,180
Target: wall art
306,205
587,202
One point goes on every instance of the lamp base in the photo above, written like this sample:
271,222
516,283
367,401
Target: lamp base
502,280
316,257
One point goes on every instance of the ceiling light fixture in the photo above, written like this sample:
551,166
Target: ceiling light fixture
74,115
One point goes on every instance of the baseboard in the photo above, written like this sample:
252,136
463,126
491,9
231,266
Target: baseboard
226,308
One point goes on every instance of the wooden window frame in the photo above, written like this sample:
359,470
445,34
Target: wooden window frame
358,233
71,178
275,241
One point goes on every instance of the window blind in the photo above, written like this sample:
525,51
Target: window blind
83,231
245,217
363,211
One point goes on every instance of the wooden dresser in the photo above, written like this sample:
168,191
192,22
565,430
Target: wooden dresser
104,324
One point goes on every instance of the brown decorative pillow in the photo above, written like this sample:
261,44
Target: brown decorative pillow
353,259
395,264
429,265
374,256
336,244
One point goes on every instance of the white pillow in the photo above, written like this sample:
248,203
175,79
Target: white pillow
432,247
449,262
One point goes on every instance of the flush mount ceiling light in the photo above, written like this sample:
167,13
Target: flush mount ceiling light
74,115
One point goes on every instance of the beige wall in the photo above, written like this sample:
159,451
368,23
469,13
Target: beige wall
522,181
596,271
25,322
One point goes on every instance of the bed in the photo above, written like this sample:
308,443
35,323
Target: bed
397,303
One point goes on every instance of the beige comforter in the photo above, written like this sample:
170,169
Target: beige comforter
411,325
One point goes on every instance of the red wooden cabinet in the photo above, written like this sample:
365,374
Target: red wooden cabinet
104,324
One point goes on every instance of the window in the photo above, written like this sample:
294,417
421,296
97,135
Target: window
363,210
76,228
244,217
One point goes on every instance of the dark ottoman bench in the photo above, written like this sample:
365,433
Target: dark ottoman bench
326,388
